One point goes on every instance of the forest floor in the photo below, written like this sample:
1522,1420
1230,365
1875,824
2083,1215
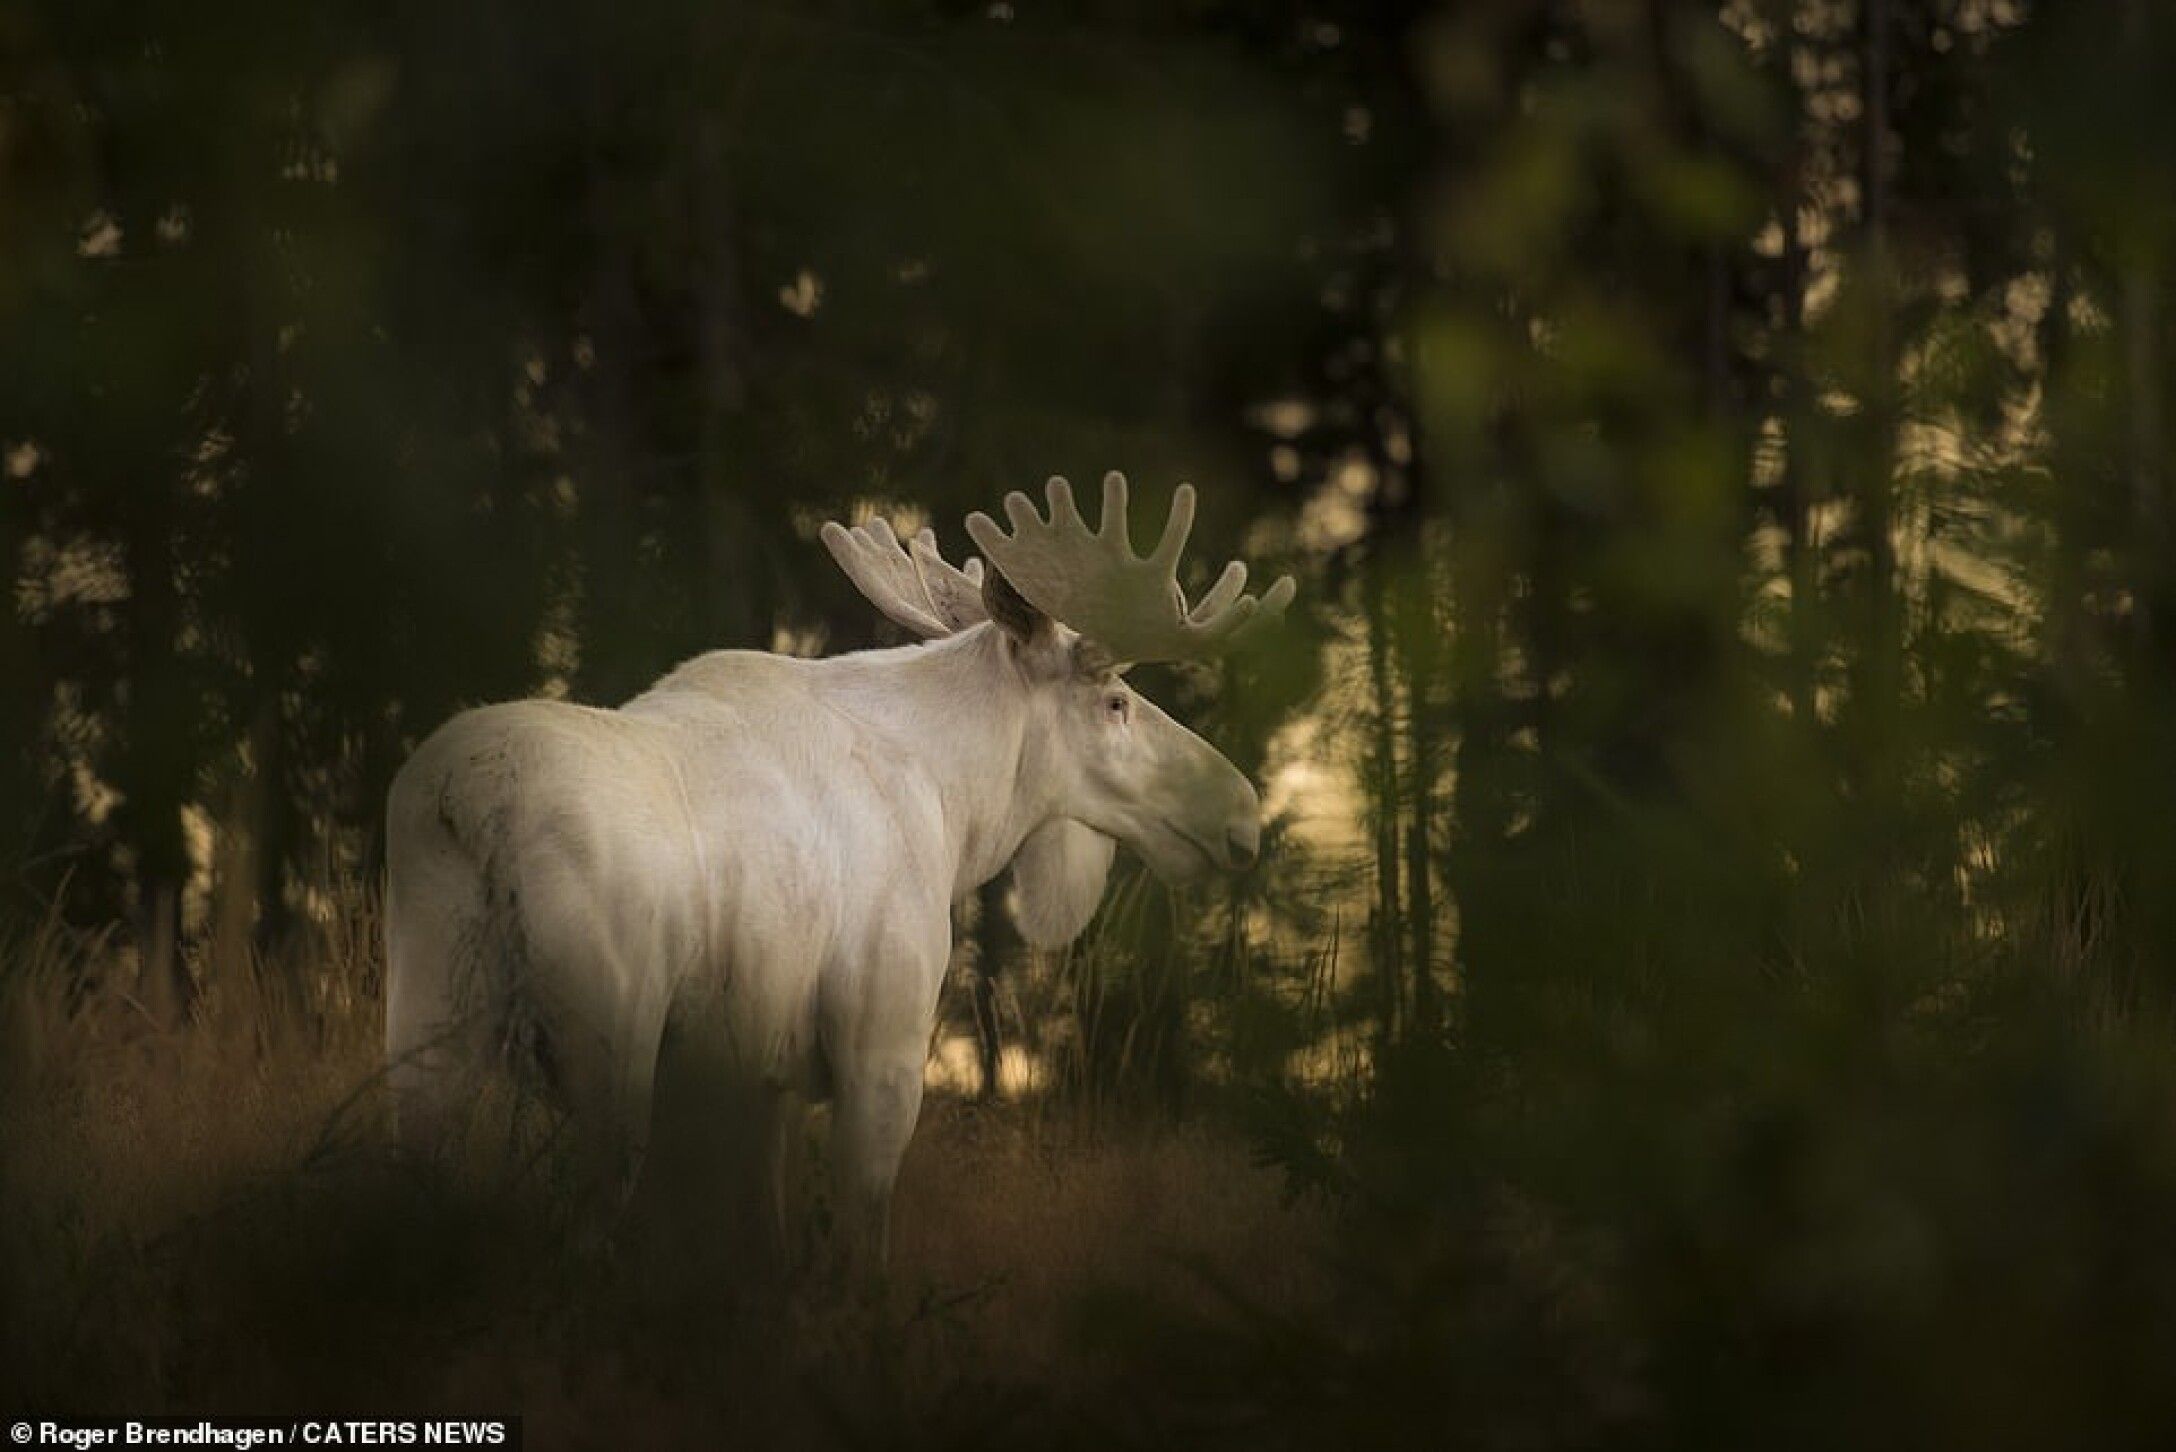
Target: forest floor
209,1221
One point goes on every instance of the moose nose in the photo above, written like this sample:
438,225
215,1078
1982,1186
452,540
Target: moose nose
1243,841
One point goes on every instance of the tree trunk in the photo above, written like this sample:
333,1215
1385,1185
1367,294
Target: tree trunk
19,699
1797,504
1388,935
271,816
163,985
156,754
2141,327
1419,658
994,942
1878,497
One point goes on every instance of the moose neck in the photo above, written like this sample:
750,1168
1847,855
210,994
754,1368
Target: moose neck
959,710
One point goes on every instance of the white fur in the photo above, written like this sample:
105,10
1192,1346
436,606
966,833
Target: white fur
779,842
1057,881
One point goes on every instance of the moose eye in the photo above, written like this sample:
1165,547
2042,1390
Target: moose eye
1117,707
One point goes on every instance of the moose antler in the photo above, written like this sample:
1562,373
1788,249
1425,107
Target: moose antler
916,588
1132,607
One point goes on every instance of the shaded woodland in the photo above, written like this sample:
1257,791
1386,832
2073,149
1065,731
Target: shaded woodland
1712,977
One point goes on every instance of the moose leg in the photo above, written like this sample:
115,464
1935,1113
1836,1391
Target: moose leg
734,1187
876,1112
710,1190
759,1200
787,1123
875,1023
595,1034
627,1122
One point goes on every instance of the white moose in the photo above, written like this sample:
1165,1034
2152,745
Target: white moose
781,841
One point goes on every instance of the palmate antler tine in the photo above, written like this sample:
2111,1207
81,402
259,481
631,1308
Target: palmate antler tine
1221,594
1115,508
955,594
1275,599
888,547
1247,618
925,552
1064,513
1021,511
1177,527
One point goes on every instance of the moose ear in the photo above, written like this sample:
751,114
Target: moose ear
1091,662
1013,614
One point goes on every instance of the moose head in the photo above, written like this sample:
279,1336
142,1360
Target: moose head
1075,608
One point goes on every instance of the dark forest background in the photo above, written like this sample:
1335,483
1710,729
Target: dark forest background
1715,963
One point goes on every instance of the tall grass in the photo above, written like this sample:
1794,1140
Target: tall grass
209,1220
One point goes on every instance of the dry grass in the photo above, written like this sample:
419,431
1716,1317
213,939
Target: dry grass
206,1221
